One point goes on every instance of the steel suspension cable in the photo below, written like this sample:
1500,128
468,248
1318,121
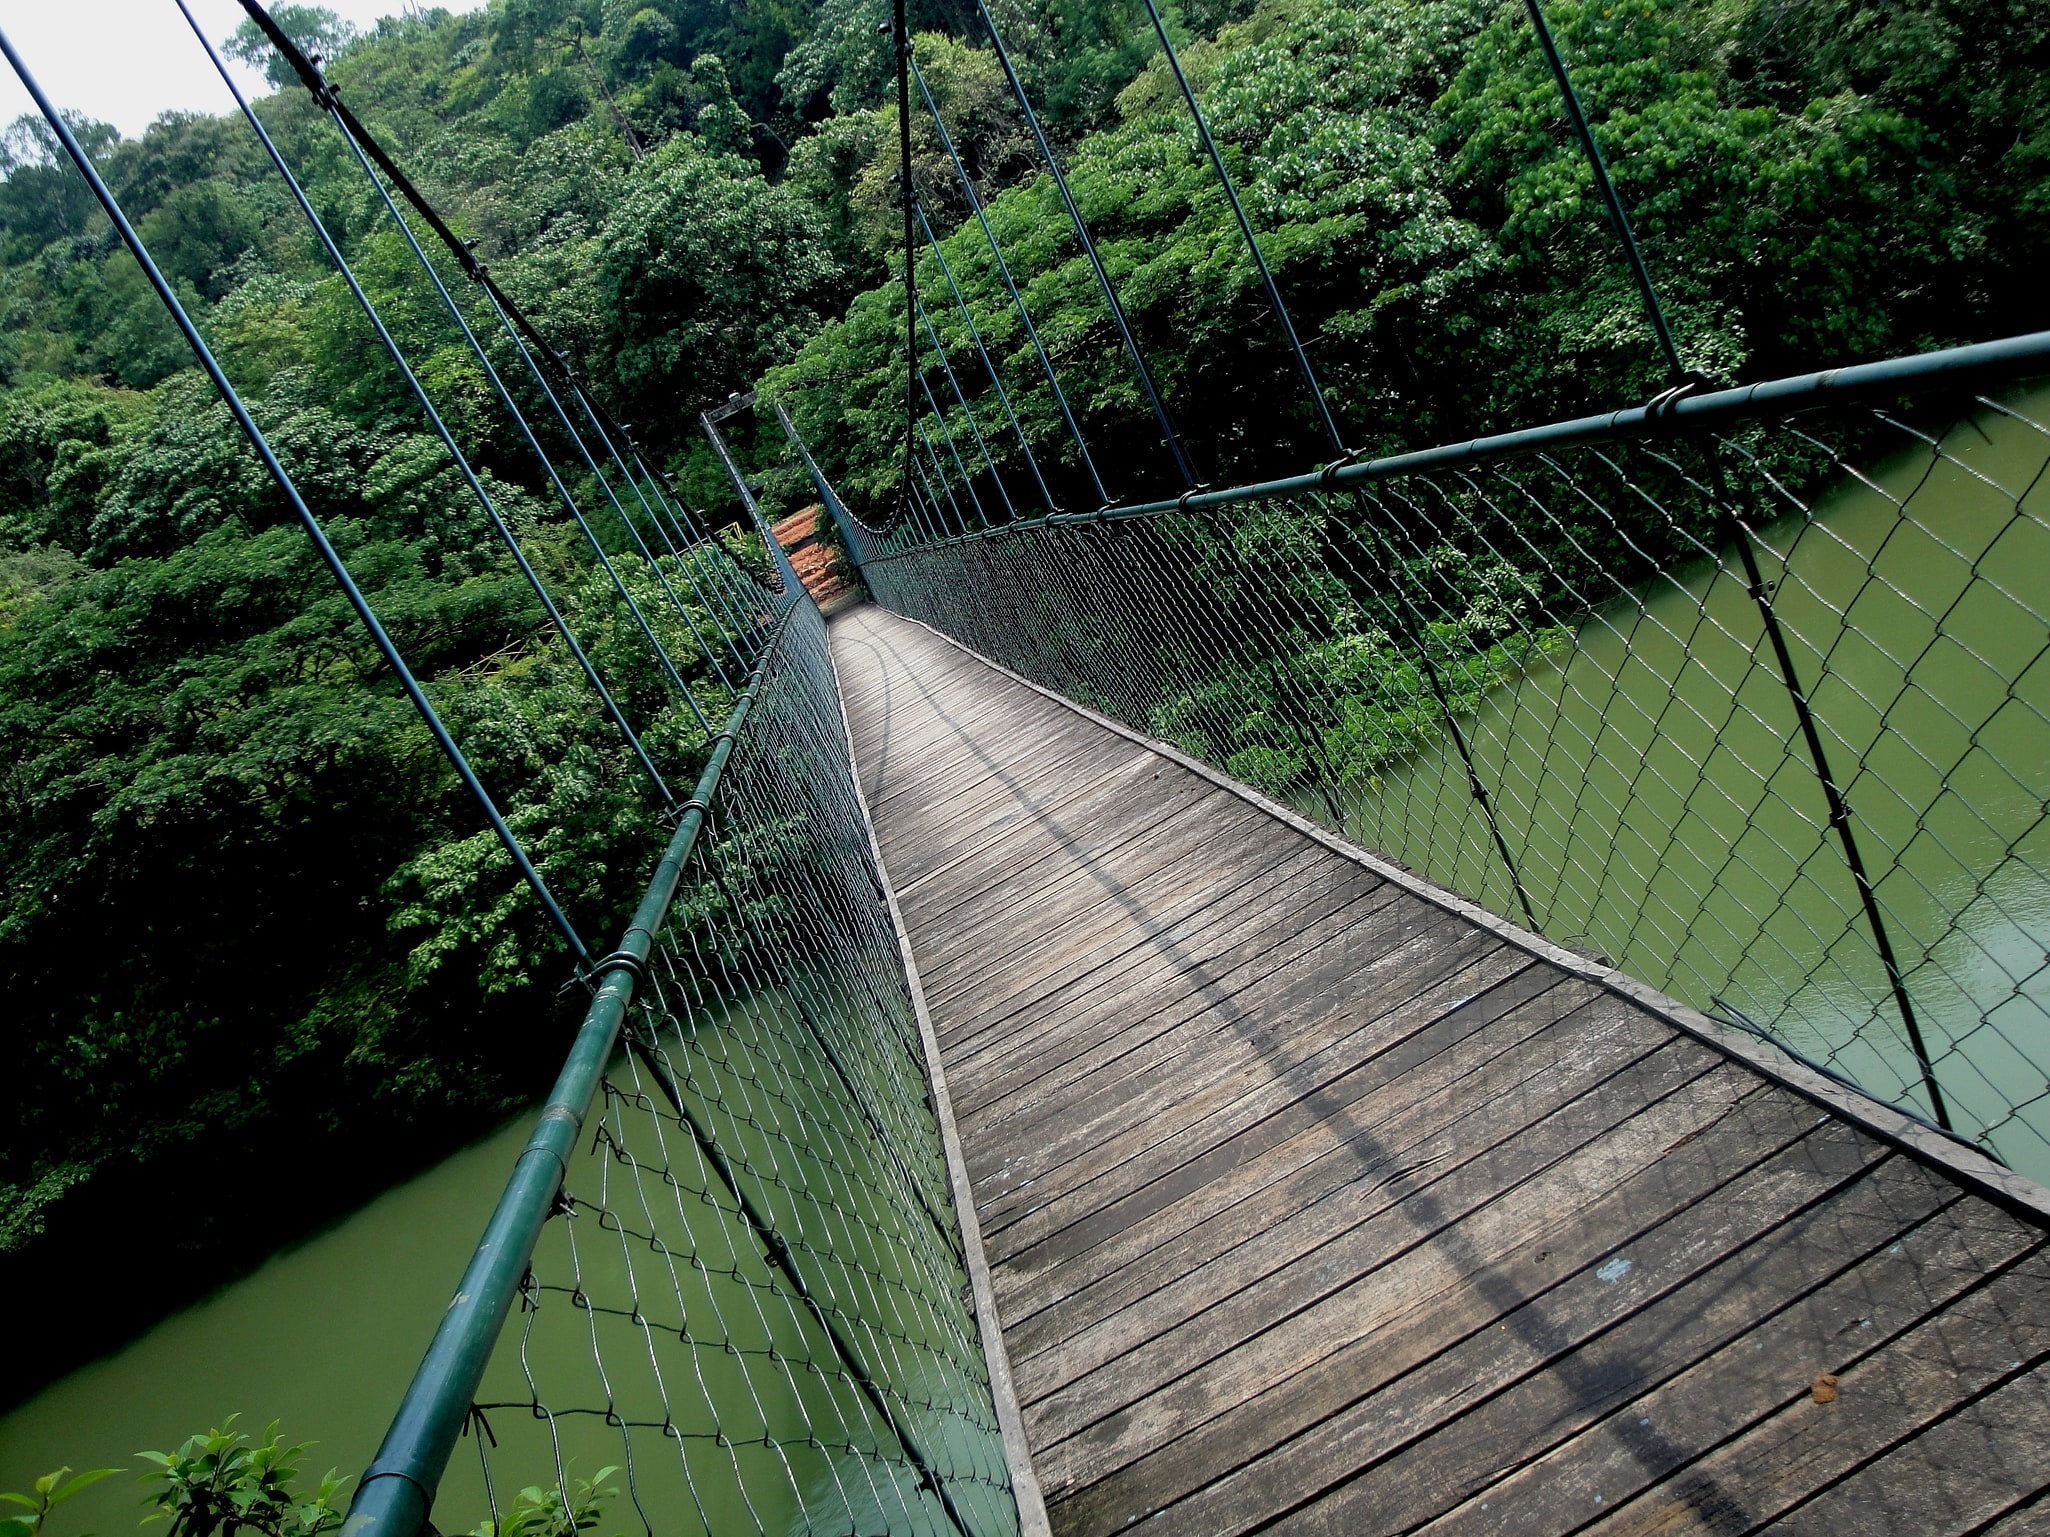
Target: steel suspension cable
1295,346
962,401
682,542
996,251
1117,310
329,556
988,367
434,417
562,491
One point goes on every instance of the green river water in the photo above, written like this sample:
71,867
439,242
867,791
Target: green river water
1659,819
323,1337
1663,812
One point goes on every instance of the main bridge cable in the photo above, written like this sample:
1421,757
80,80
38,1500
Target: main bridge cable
1103,497
329,556
900,40
1682,382
988,367
434,416
1117,310
363,142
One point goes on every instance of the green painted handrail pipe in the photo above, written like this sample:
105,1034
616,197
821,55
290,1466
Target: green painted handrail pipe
397,1490
1960,369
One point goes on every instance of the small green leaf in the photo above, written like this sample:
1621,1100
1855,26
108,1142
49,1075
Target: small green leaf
83,1481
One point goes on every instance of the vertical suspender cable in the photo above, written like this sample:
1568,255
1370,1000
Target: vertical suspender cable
1613,204
1117,311
1737,531
850,533
434,416
900,37
940,471
327,552
988,367
1004,271
954,453
932,333
548,391
1295,346
364,143
548,465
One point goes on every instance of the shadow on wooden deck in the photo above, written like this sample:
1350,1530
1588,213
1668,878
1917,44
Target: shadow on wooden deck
1315,1200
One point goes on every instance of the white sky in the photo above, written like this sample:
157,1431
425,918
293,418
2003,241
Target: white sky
125,61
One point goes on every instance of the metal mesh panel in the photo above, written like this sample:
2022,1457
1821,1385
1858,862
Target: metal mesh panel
1550,685
751,1301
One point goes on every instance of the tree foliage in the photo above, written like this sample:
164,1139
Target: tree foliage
249,915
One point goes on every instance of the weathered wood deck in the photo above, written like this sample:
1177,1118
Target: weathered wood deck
1312,1203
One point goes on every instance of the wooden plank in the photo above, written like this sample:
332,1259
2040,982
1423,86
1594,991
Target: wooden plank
1285,1325
1171,867
1182,860
948,868
1104,1051
1109,1138
1281,1168
1303,1189
1463,1460
976,790
1325,1180
1478,1375
1078,1027
1108,802
2029,1520
973,737
1898,1279
966,775
1954,1359
1140,963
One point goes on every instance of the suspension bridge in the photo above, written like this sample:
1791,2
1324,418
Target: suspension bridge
1496,988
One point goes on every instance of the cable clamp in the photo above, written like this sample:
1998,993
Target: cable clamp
619,960
1327,477
1660,406
1182,502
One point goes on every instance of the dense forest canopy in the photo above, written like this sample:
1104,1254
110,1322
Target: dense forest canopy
249,922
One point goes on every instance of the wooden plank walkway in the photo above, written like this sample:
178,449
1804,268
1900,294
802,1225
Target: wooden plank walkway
1315,1204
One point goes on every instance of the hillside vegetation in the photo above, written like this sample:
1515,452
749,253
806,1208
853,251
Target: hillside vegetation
257,955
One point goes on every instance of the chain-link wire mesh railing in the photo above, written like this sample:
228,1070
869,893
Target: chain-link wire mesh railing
1759,713
746,1307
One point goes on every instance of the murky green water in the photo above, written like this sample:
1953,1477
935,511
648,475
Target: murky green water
323,1337
1663,812
661,1338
